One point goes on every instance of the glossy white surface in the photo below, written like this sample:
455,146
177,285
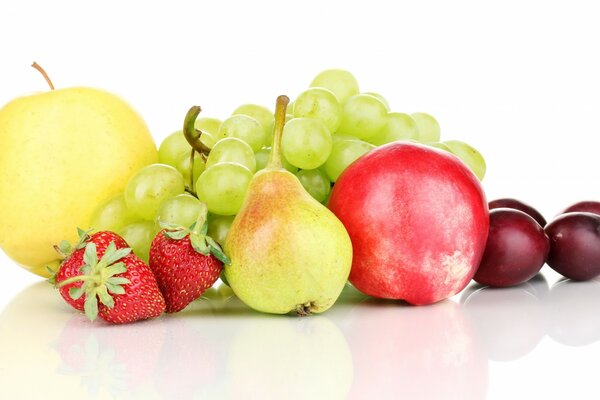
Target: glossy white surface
539,339
519,80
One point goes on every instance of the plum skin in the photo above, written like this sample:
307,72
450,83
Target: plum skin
515,251
575,245
519,205
584,206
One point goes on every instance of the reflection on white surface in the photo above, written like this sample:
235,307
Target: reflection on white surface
572,312
512,321
401,351
218,348
508,321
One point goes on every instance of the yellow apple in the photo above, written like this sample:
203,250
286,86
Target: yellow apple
62,154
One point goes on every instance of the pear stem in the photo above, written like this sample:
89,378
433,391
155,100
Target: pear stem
280,109
202,214
191,134
44,74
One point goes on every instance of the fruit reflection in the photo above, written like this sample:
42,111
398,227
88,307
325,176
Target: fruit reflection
509,321
414,352
289,358
572,312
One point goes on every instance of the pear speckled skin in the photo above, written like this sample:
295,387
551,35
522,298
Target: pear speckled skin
288,252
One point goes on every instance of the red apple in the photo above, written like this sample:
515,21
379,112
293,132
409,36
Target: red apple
418,220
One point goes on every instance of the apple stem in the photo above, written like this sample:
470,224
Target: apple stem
44,74
280,109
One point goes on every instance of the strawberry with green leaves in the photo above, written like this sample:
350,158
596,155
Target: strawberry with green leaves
73,260
186,262
117,286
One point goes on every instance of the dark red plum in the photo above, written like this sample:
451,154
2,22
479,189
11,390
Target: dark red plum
584,206
575,245
518,205
515,251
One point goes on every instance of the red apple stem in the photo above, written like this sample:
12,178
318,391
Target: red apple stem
280,109
44,74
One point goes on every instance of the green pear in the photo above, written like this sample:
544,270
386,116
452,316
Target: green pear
288,252
63,153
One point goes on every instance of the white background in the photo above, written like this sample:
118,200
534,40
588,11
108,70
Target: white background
519,80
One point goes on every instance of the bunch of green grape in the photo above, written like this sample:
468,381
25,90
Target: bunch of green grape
328,126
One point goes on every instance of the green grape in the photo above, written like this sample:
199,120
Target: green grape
232,149
138,236
321,104
210,130
223,187
341,83
181,210
113,215
344,153
380,98
315,182
259,113
150,186
306,142
469,155
428,127
262,159
290,107
341,136
245,128
218,227
399,126
363,116
440,145
172,147
183,166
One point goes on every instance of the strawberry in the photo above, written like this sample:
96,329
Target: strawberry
141,299
73,261
124,285
185,262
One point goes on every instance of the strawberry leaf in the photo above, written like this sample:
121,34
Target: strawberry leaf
176,235
90,256
115,269
105,298
216,251
170,226
204,229
64,248
85,269
112,255
91,305
114,289
52,273
75,292
84,236
199,244
118,280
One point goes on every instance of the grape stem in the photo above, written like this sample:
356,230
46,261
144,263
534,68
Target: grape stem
192,153
191,134
280,110
44,74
